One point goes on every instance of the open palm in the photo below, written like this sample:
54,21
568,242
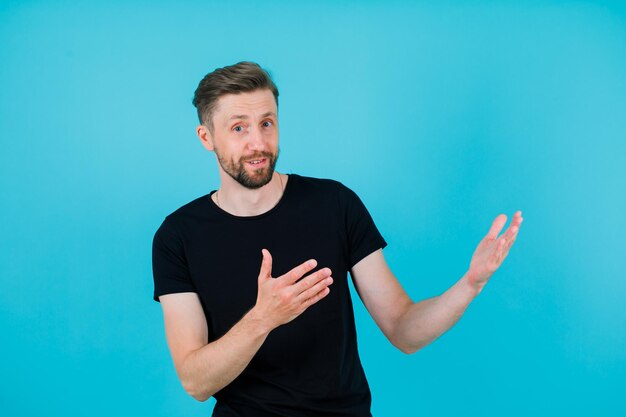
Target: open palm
492,250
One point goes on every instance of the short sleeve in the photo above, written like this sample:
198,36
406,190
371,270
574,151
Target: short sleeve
169,264
363,235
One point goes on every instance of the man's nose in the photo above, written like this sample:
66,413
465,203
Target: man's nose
255,139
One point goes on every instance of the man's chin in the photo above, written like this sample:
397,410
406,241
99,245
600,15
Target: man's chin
255,182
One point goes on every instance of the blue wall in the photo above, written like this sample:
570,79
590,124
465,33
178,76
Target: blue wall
440,115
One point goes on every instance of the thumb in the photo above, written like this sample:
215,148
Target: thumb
266,265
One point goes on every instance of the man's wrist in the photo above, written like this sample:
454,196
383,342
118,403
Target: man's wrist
472,285
258,322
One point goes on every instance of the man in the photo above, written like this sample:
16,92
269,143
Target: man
252,278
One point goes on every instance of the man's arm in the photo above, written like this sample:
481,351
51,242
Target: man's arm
410,326
205,368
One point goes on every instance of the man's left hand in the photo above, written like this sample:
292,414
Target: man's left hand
492,250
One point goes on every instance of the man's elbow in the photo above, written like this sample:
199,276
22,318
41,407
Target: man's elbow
410,347
201,398
409,350
195,391
405,347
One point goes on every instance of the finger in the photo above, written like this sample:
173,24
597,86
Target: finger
506,253
309,302
510,232
517,219
311,280
497,226
297,272
513,230
510,242
499,252
266,265
505,246
305,295
515,224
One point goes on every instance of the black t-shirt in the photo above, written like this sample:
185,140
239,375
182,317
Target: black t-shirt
309,366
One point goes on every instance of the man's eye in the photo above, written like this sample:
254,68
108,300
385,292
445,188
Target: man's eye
267,123
238,128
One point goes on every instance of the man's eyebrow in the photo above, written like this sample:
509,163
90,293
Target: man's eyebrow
245,117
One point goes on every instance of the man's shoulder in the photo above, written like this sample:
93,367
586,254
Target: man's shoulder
323,184
193,210
326,186
195,206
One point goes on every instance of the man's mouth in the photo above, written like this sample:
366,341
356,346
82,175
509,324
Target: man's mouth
257,162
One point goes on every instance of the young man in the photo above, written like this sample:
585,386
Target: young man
252,278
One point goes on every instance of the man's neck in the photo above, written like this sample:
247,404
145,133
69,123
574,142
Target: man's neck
238,200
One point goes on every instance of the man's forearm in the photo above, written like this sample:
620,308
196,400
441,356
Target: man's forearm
425,321
212,367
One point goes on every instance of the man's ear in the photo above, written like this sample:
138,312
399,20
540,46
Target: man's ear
205,137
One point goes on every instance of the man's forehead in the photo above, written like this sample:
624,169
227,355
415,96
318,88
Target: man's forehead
245,116
260,103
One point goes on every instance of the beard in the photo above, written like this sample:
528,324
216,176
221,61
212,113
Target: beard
237,170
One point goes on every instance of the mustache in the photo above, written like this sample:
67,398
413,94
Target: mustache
260,155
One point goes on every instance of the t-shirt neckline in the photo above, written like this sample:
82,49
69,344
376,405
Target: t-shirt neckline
218,209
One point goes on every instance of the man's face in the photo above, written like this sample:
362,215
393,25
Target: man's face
245,136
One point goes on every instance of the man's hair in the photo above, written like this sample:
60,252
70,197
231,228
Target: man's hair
242,77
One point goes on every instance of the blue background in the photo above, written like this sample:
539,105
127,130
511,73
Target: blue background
440,115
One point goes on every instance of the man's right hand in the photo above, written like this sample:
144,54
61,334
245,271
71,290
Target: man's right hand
282,299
